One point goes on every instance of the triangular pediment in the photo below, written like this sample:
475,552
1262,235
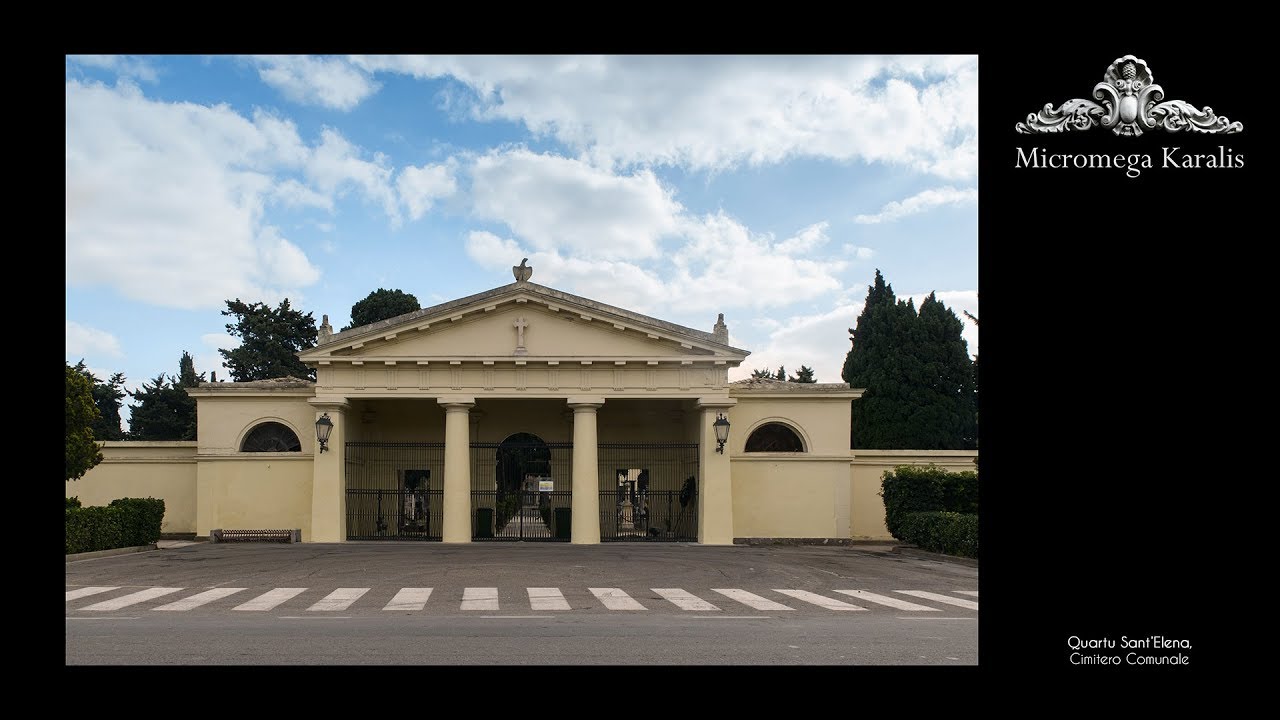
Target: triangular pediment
555,325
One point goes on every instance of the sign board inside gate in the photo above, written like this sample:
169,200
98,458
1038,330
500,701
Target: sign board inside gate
546,485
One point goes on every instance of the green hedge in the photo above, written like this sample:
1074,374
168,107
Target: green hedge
926,488
73,502
142,523
944,532
127,522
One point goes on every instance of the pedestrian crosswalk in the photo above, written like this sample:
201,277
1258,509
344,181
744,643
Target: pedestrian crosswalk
489,599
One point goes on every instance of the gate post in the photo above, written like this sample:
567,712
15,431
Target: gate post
457,469
715,486
328,479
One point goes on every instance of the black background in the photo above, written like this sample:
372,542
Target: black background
1120,336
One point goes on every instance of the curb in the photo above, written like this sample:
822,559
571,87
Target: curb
926,555
108,553
840,542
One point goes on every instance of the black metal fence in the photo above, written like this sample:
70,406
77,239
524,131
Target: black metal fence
395,491
648,491
524,516
521,490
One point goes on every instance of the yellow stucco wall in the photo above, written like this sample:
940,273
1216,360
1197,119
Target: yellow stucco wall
268,492
791,495
223,418
164,470
867,470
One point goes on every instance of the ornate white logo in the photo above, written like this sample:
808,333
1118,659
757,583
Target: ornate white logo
1130,104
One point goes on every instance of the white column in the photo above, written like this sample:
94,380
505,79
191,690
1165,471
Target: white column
586,471
328,479
715,484
457,470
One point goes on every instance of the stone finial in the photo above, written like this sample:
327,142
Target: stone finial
721,331
522,272
213,376
326,330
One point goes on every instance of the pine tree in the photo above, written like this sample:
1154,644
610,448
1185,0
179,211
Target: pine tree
803,375
381,305
765,374
271,339
782,373
165,411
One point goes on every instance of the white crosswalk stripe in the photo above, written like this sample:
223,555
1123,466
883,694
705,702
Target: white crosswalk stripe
270,599
339,599
819,600
886,600
547,599
414,599
685,600
751,599
937,597
411,599
616,599
87,591
132,599
479,599
199,599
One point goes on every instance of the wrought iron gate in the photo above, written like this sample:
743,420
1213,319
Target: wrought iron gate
648,491
395,491
521,489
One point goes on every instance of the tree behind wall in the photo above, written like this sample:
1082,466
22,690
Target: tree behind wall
82,452
917,372
271,339
106,396
381,305
803,375
165,411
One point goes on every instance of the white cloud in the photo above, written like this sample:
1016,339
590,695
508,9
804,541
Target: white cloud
335,166
806,240
122,65
328,82
859,253
716,112
555,202
165,201
820,341
294,194
920,202
420,186
721,265
84,341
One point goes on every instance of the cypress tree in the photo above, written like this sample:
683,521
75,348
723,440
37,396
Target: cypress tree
165,411
919,379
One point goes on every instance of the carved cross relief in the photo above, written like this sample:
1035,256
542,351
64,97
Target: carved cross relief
520,325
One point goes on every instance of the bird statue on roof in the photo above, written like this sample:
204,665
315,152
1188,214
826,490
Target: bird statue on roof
522,272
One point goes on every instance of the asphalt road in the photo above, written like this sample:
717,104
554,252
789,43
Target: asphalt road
519,604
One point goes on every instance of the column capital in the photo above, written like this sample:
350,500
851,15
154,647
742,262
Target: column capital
585,402
329,403
456,404
715,403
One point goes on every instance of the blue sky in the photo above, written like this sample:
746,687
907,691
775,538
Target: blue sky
767,188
